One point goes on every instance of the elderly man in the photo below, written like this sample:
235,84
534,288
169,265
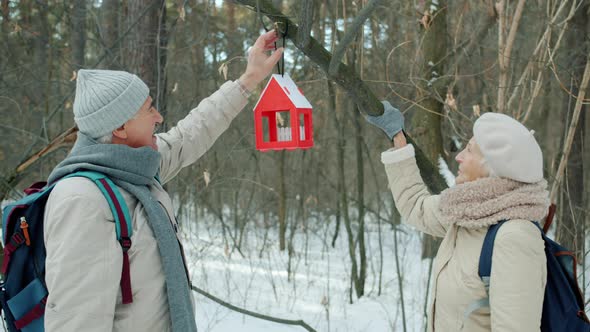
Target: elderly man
116,121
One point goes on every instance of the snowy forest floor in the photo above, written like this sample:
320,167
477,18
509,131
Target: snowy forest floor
317,288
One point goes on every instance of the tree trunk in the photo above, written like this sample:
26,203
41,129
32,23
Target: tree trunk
144,47
355,61
198,25
5,17
571,228
332,103
426,125
110,28
234,39
41,49
161,90
572,232
78,34
358,264
344,208
360,177
400,275
282,202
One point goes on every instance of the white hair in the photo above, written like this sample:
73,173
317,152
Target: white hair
106,139
487,168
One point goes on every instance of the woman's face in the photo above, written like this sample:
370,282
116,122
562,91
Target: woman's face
471,164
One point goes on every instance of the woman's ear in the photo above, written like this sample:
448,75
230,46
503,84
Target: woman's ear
120,132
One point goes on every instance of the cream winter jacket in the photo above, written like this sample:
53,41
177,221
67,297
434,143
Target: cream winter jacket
518,275
84,260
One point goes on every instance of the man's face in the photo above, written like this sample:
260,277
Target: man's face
139,130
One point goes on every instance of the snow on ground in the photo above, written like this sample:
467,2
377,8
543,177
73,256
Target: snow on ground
318,291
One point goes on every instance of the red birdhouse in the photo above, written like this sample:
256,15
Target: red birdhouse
282,116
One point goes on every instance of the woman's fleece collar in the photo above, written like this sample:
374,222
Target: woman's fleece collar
487,201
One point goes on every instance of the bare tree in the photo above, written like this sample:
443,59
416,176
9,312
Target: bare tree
426,122
110,29
572,221
144,52
78,34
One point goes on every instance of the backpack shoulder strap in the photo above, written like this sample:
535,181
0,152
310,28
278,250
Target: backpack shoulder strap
123,226
487,250
485,268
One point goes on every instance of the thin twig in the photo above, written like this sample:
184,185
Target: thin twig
561,84
251,313
355,28
65,138
544,40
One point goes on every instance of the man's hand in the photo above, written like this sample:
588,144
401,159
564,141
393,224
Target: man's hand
260,64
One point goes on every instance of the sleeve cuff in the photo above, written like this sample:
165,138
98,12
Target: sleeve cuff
245,92
393,155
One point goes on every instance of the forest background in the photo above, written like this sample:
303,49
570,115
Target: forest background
443,63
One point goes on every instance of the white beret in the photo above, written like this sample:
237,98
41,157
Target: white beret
509,148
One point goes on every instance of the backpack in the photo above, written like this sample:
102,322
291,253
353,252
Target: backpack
563,303
23,292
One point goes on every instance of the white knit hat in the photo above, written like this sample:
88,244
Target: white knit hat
509,148
106,99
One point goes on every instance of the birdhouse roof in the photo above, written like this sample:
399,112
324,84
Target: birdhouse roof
289,88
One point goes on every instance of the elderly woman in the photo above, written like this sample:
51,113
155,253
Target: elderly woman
500,178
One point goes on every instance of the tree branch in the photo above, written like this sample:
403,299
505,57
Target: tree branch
346,77
349,37
251,313
64,139
349,80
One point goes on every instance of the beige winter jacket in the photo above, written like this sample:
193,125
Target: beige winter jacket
518,275
84,259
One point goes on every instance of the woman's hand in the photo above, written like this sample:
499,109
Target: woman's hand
391,121
399,140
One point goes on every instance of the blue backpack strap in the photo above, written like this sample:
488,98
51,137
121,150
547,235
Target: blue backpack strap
487,250
485,268
123,226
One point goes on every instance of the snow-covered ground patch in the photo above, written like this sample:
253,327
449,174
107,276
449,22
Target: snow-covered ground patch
317,288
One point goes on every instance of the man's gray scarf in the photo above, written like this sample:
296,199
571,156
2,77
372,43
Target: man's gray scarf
134,169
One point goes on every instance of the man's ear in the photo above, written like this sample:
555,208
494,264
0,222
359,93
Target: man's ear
120,132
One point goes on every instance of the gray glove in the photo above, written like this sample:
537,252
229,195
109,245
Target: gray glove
391,121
